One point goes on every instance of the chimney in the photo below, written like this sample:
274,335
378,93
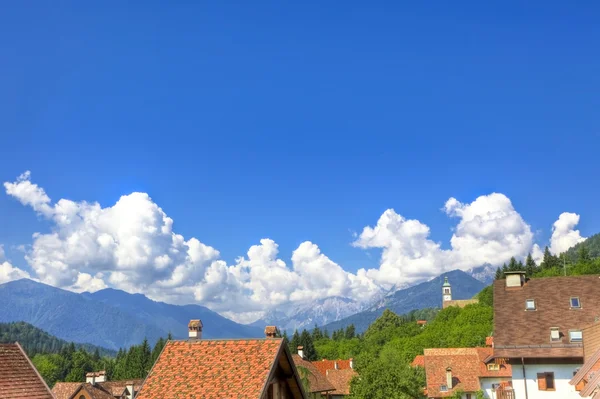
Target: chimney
101,376
351,363
335,365
130,390
515,279
449,378
195,329
301,351
90,378
489,342
271,332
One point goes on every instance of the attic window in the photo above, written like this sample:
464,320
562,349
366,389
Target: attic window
493,367
530,304
554,334
575,336
575,303
444,388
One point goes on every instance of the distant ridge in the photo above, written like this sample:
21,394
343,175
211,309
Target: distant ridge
109,318
420,296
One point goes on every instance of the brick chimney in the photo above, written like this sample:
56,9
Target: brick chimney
449,378
335,365
351,363
271,332
195,329
301,351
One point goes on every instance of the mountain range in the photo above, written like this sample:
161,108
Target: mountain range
420,296
108,318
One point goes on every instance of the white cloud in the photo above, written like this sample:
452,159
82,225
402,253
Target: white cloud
563,234
489,230
131,245
8,272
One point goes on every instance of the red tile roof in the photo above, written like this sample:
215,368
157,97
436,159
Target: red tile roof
526,333
317,382
467,366
212,369
324,365
64,390
418,361
95,392
18,377
341,380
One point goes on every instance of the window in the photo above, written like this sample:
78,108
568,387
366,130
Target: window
545,381
575,336
575,303
554,334
493,367
530,304
446,290
468,396
443,388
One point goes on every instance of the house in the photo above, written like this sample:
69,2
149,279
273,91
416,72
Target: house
449,370
236,368
339,373
318,385
97,387
447,297
538,329
18,377
587,380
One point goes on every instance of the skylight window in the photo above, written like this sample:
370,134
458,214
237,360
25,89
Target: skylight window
575,302
530,304
443,388
575,336
554,334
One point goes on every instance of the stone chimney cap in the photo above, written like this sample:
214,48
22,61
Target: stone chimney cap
300,347
271,331
96,373
196,323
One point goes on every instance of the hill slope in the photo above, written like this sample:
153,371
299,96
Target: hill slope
111,319
35,340
591,243
174,318
424,295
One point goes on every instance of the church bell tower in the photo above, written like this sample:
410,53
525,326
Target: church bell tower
446,291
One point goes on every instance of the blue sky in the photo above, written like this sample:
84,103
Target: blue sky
304,121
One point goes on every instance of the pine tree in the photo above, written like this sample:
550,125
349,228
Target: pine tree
325,334
310,353
499,274
583,254
145,358
285,337
350,332
160,344
316,333
550,261
530,266
295,342
513,265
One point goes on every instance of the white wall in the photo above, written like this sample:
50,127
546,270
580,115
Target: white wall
562,375
486,385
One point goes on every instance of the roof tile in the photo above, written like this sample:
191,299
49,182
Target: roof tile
18,377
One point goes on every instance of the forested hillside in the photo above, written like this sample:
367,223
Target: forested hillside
35,340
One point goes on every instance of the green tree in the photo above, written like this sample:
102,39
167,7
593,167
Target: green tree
295,342
316,333
310,353
158,347
350,332
486,296
583,254
530,266
499,274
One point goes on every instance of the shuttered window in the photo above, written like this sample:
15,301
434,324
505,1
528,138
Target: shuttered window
545,381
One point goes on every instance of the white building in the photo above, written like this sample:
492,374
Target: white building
538,330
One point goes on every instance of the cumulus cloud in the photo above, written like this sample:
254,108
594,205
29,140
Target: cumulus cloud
489,230
132,246
8,272
564,235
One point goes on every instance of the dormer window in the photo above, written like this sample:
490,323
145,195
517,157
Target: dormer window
554,334
493,367
530,304
443,388
575,336
575,304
